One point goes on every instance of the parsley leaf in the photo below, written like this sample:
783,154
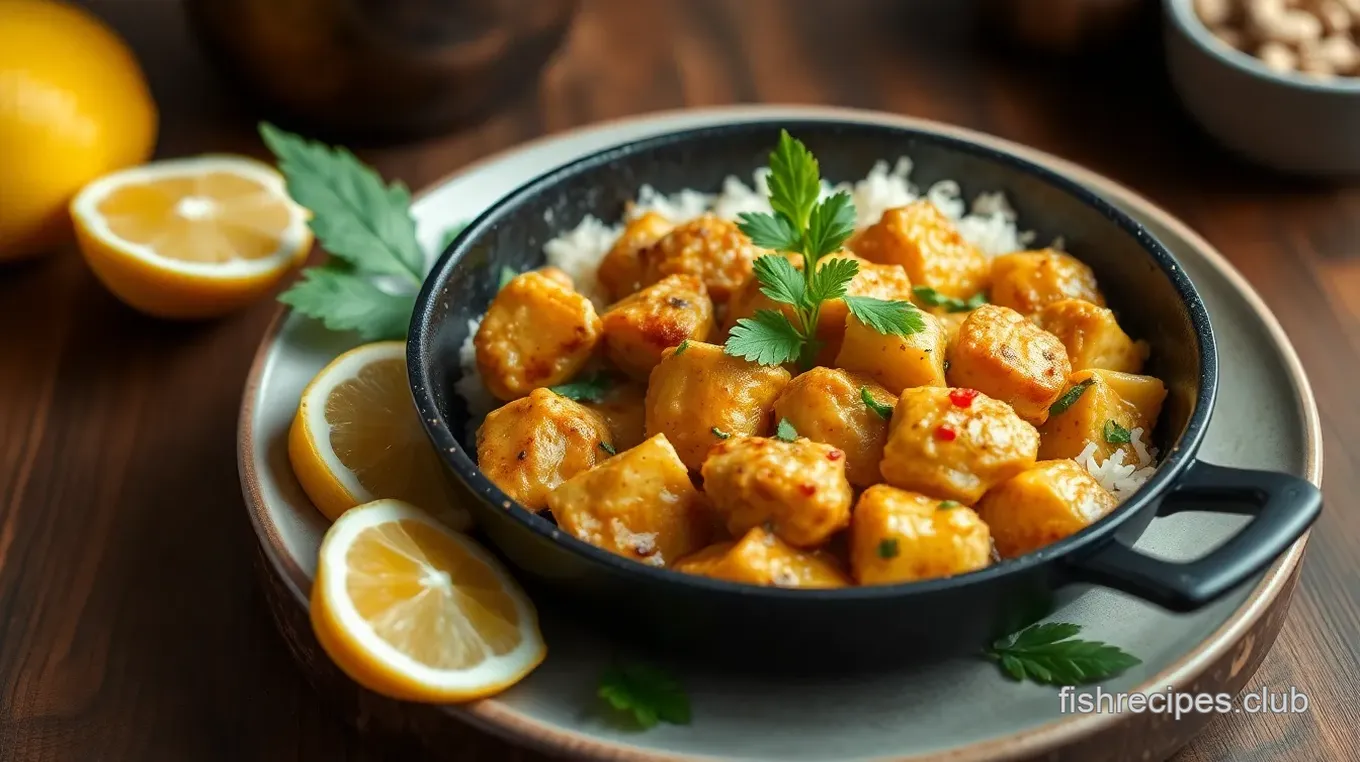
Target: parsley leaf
1070,397
1050,654
884,411
779,279
932,298
833,278
1116,434
591,388
647,693
895,317
507,275
785,431
343,301
609,448
354,215
946,505
719,433
831,223
769,231
887,548
681,347
768,338
795,181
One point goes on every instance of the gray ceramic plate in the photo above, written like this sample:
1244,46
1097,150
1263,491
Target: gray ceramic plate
956,710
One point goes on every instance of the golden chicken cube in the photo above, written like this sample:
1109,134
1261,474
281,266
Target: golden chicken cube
798,489
827,405
955,444
1102,408
760,558
639,504
896,362
1092,336
530,446
707,246
923,240
900,536
1027,281
700,396
620,272
660,316
952,322
536,333
557,274
623,407
1042,505
1000,353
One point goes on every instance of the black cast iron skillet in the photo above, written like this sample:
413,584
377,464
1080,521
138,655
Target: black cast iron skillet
787,629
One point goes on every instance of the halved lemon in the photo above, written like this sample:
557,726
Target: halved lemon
357,438
414,611
191,238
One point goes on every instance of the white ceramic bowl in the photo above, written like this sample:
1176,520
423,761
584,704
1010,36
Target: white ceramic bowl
1291,122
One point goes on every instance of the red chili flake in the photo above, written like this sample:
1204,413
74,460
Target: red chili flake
835,455
807,489
945,433
963,397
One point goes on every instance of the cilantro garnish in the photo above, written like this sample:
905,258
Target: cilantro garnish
887,548
884,411
932,298
946,505
719,433
681,347
800,224
590,388
1050,654
647,693
785,431
1116,434
1070,397
609,448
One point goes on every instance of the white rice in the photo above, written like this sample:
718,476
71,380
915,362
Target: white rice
1120,478
990,224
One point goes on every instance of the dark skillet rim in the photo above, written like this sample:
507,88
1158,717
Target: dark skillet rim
419,365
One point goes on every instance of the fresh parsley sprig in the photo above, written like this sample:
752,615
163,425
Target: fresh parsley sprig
589,388
801,224
367,228
647,693
1051,654
932,298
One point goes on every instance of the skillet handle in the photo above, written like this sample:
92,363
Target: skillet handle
1282,507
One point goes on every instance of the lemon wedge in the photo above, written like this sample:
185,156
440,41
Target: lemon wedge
357,438
412,610
191,238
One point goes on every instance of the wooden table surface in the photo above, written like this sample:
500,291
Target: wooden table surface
132,625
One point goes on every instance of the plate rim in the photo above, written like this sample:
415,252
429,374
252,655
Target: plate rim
494,716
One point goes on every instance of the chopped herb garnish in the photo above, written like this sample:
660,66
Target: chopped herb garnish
785,431
887,548
884,411
719,433
801,224
932,298
647,693
679,350
1050,654
591,388
948,504
609,448
1070,397
1116,434
507,275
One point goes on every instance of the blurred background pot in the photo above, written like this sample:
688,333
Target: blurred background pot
382,68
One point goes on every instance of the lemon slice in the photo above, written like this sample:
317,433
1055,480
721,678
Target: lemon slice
414,611
191,238
357,438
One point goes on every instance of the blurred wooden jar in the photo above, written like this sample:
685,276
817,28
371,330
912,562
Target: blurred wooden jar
382,68
1064,26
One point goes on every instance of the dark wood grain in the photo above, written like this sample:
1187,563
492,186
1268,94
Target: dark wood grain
133,626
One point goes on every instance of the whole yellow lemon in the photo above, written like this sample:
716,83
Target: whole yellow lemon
73,106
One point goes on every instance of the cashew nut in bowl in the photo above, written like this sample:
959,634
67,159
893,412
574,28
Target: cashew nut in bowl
1320,38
